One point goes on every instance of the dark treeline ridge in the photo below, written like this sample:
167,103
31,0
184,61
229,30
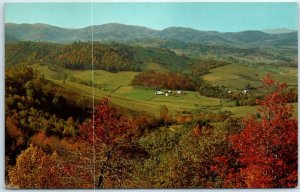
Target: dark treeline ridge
78,56
167,80
111,57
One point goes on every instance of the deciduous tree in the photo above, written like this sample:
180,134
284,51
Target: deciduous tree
109,134
267,146
34,169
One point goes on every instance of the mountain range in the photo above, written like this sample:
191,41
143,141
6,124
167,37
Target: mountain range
123,33
279,31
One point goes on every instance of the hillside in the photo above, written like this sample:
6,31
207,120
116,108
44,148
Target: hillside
121,33
191,35
279,31
44,32
276,48
237,76
109,57
10,39
274,55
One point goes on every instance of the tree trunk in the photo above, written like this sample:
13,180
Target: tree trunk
101,178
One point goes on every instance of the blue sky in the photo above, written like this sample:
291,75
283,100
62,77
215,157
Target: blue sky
222,17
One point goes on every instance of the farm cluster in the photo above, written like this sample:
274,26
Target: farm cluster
169,92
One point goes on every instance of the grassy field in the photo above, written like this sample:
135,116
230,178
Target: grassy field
155,66
107,80
245,110
136,93
237,76
144,100
121,93
118,89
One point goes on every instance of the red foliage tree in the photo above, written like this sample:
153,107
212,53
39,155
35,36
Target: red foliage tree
106,131
266,147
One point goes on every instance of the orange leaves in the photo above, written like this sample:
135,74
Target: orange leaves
257,177
34,169
267,80
167,80
12,129
15,134
52,142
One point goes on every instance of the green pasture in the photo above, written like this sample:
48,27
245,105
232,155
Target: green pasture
118,89
107,80
240,111
236,76
102,79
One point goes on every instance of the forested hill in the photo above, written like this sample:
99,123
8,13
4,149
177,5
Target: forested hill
78,56
122,33
116,57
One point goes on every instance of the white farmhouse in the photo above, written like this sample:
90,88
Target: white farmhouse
159,92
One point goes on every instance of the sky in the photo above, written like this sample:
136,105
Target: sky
223,17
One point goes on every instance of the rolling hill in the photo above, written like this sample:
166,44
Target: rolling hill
279,31
122,33
110,57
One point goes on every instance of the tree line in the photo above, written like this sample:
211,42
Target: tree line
75,56
166,80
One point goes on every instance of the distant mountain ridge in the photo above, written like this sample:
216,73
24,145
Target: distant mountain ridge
122,33
278,31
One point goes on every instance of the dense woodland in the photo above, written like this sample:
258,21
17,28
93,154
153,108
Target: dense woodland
116,57
34,105
168,80
77,56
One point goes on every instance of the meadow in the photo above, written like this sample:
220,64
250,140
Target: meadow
117,86
236,76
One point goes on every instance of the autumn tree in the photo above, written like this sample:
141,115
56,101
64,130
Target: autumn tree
109,134
167,80
164,114
267,146
34,169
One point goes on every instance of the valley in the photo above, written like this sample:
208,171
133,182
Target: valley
143,108
117,86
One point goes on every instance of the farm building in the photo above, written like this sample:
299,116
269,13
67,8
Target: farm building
159,92
166,93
